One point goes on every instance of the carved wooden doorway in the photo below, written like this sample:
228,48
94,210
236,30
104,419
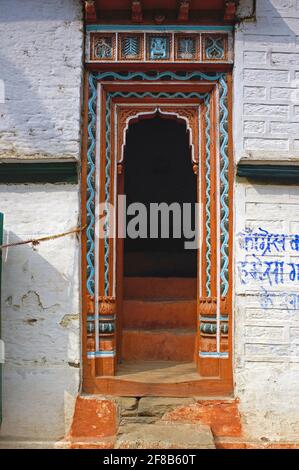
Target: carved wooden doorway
159,279
201,103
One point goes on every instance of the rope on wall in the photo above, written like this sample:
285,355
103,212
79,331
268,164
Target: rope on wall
37,241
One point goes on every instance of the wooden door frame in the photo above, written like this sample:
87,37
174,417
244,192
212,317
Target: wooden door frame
214,364
190,113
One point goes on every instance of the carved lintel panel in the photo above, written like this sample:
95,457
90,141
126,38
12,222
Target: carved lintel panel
187,46
103,47
131,46
158,47
214,47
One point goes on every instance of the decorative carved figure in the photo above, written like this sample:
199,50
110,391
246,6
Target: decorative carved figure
159,48
104,48
186,48
130,47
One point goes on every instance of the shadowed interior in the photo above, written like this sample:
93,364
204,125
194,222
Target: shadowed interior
158,169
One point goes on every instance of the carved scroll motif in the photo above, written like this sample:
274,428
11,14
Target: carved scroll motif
127,115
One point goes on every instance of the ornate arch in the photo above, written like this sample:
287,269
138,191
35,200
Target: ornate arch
108,94
188,115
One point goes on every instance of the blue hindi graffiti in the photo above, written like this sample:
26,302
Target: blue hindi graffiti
281,300
262,264
262,242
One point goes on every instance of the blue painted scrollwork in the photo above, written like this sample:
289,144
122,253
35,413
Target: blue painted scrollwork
214,47
224,186
90,204
223,135
208,197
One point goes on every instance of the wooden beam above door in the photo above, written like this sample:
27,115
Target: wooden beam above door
160,11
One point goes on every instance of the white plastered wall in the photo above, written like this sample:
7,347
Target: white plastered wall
266,130
40,118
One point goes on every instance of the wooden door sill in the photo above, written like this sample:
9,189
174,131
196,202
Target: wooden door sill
162,378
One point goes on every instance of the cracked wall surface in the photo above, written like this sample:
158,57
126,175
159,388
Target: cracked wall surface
40,118
40,310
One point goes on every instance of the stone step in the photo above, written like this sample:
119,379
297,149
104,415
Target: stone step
159,288
159,314
164,435
158,345
149,407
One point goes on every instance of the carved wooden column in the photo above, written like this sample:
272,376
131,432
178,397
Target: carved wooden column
91,343
209,367
107,316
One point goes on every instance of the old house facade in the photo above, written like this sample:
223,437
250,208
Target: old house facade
104,99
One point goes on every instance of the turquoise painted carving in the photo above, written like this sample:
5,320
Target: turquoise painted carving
153,76
159,47
216,355
224,186
93,78
211,328
214,47
184,76
208,197
90,325
104,48
186,48
106,327
95,354
130,47
108,155
90,207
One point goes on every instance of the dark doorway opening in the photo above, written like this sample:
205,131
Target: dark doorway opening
158,169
